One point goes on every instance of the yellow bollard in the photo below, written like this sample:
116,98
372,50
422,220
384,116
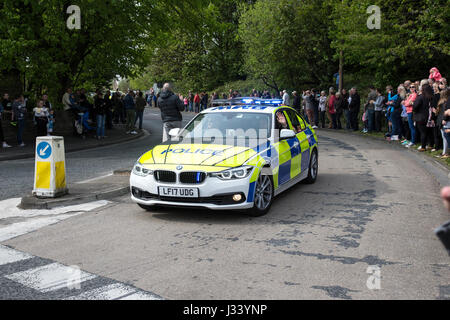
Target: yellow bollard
50,169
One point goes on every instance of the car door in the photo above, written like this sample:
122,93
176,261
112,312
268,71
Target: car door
289,155
303,137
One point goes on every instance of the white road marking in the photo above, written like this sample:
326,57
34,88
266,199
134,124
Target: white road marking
36,219
8,255
20,228
115,291
141,296
51,277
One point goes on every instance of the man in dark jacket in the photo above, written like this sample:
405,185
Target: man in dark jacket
171,107
297,105
354,107
130,107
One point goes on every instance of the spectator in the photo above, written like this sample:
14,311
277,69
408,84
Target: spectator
66,100
186,104
47,103
296,103
354,106
140,107
6,102
191,101
378,110
197,102
20,111
204,101
286,98
339,110
443,105
171,107
322,107
109,110
332,108
408,104
117,105
130,108
2,136
41,114
396,112
309,108
100,111
370,108
315,103
421,111
345,100
51,122
435,75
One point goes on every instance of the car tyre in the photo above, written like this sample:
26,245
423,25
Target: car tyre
264,193
313,170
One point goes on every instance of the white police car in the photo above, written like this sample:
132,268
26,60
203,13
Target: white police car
229,158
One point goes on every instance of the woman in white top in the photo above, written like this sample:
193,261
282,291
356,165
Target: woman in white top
323,107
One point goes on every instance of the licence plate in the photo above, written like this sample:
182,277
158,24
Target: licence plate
178,192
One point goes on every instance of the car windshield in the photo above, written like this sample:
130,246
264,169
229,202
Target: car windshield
229,126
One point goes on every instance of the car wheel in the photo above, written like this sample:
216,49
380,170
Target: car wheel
263,196
313,168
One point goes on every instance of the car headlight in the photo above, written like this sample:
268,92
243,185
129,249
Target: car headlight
140,170
238,173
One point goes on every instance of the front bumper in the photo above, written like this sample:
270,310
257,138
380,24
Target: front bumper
214,193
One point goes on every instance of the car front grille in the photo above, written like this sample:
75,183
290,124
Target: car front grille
192,177
165,176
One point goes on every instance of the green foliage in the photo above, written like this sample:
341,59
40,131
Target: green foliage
414,37
112,41
286,43
199,58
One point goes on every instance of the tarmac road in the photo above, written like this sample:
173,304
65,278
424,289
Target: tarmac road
373,209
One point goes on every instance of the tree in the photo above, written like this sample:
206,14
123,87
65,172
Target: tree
112,40
286,43
204,56
413,37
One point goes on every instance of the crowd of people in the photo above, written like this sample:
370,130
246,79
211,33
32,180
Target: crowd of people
415,113
15,110
93,116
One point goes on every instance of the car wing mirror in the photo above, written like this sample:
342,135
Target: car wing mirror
286,134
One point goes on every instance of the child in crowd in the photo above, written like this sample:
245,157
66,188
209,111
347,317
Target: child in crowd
51,122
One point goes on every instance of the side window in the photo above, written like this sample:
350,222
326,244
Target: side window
296,125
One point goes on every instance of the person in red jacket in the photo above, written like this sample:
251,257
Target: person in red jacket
196,103
332,108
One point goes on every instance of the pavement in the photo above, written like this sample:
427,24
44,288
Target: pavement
102,188
363,231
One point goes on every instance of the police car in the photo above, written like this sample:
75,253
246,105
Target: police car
229,158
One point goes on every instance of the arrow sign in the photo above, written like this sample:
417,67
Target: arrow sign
44,150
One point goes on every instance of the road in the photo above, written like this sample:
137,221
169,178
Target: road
373,209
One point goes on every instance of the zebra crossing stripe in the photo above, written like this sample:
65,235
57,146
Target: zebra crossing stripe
51,277
115,291
8,255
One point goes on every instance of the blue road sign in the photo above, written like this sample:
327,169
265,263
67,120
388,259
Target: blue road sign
44,150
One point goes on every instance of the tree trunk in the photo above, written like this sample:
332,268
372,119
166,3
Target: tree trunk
341,71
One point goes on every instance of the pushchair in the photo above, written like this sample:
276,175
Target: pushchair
81,124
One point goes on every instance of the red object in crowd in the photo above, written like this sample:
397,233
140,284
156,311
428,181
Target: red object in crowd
435,74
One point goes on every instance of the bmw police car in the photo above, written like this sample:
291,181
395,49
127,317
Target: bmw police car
229,158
